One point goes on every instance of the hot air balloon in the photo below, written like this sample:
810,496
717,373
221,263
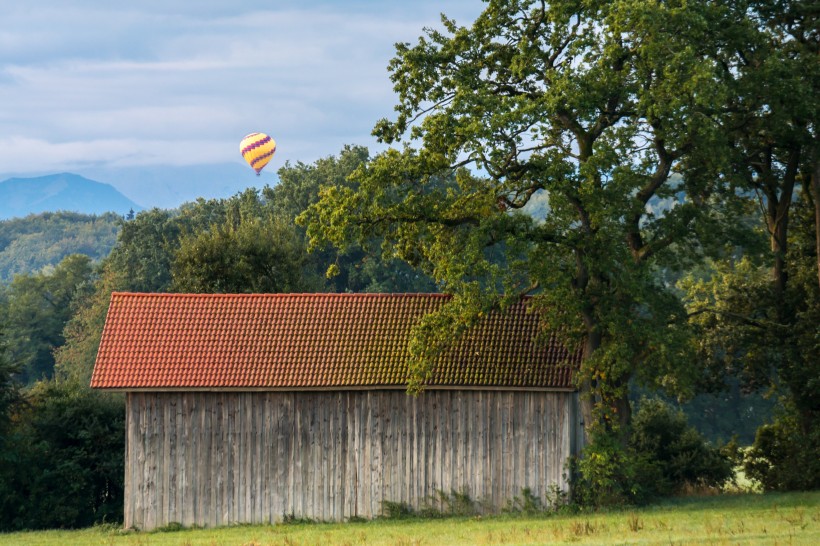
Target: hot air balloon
257,149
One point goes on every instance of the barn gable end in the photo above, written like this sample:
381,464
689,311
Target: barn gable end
249,408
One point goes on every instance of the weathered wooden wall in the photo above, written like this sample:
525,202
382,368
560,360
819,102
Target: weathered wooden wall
218,458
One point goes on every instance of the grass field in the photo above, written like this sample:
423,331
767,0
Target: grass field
782,519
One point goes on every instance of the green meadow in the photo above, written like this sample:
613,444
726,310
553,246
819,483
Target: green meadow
785,519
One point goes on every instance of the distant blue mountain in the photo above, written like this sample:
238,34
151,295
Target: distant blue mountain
20,197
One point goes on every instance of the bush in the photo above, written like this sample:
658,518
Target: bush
669,454
785,457
62,465
604,474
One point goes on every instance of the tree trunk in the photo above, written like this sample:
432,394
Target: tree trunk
778,220
588,386
815,190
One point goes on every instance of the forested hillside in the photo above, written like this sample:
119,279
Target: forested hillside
29,244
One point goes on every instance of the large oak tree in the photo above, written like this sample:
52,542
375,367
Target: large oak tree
601,109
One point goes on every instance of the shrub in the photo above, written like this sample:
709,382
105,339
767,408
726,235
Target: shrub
785,457
62,465
669,454
604,474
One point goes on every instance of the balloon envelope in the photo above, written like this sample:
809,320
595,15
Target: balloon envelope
257,149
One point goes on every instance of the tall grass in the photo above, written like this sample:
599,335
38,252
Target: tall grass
788,519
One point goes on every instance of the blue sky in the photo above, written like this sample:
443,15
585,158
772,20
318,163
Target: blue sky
97,84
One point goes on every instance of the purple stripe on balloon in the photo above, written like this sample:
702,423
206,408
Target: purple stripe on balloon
254,145
261,157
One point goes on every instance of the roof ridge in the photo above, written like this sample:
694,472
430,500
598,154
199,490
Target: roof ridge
316,295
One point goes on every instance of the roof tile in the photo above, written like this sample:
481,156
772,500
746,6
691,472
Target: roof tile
312,341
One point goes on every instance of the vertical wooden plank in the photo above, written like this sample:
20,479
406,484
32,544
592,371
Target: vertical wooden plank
556,446
176,449
258,467
417,452
170,484
306,494
432,482
328,455
467,469
457,417
377,455
311,466
130,491
141,463
474,462
267,452
397,447
385,443
422,452
329,468
317,448
404,424
232,457
521,441
282,462
566,433
444,416
201,478
217,460
497,448
150,469
298,454
410,451
434,454
192,428
340,458
290,451
352,458
538,443
248,435
365,450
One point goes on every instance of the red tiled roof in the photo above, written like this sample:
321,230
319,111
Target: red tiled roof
158,341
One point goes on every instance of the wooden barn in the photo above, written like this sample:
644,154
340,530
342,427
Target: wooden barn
251,408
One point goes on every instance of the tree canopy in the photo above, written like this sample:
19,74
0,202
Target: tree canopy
600,109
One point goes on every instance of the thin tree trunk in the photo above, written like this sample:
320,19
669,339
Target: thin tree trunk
815,190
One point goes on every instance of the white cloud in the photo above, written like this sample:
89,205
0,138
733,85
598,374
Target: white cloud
172,82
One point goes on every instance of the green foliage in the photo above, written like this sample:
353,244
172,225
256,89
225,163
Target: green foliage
664,455
9,394
37,307
62,463
769,339
145,250
359,267
785,456
250,250
722,413
397,510
29,244
671,454
529,504
441,504
594,105
604,474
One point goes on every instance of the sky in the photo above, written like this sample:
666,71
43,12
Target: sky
101,87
